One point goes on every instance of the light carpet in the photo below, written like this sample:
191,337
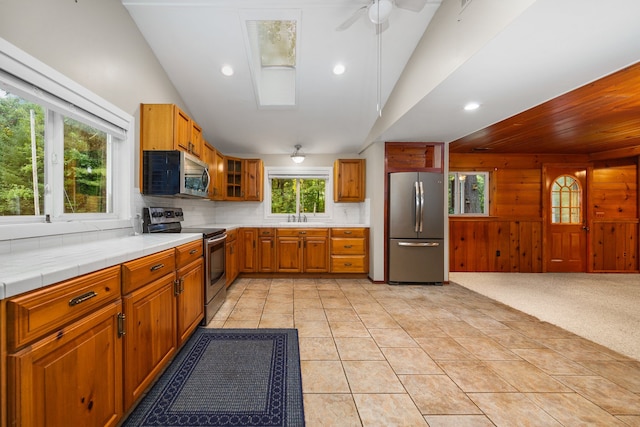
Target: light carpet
604,308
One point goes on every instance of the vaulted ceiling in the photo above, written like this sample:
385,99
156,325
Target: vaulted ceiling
519,60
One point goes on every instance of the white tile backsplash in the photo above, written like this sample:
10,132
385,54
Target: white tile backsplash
22,238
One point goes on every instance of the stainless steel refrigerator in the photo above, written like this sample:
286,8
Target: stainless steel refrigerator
416,227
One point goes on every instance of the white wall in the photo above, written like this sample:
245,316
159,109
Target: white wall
374,154
93,42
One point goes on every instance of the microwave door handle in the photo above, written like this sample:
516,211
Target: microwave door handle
208,180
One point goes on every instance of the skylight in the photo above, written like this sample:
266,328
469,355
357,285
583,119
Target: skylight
272,53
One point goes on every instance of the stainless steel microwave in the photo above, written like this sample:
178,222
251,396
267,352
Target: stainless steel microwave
174,173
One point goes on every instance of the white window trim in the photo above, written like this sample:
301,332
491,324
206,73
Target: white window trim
457,198
299,172
22,65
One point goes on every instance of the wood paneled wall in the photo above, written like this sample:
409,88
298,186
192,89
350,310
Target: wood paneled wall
511,238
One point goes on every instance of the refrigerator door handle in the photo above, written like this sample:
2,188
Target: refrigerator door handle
419,244
421,206
418,226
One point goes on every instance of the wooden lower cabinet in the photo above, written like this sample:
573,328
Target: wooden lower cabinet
247,238
302,250
72,377
151,335
190,298
349,250
266,250
83,351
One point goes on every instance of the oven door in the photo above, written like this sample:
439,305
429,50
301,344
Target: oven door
215,278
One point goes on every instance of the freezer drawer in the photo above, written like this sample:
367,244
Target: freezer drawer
416,261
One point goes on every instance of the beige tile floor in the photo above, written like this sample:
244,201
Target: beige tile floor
379,355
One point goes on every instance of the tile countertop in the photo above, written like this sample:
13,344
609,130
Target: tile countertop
25,271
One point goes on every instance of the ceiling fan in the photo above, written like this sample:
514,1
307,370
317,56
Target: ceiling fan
378,12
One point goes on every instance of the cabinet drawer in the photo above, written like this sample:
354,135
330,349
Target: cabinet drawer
232,235
303,232
347,246
144,270
348,232
42,311
348,264
188,252
266,232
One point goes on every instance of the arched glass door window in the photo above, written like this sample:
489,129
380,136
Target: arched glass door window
566,200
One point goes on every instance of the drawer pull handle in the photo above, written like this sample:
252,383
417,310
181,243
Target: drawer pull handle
347,264
303,232
348,246
347,232
82,298
157,267
193,251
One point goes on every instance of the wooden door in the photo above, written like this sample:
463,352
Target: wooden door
72,377
182,130
565,219
289,254
151,335
217,176
190,298
349,180
247,238
316,254
253,179
266,251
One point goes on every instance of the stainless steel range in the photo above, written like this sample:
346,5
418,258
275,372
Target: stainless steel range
168,220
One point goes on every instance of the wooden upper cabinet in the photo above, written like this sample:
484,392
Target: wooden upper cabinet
167,127
243,179
197,140
349,180
253,179
217,175
414,156
233,179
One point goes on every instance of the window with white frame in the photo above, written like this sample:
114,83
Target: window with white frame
468,193
298,191
57,159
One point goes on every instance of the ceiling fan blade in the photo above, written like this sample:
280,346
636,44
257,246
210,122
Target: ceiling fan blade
412,5
353,18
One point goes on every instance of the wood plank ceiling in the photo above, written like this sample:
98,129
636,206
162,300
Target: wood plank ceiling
600,119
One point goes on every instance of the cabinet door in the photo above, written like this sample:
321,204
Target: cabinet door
316,254
72,377
217,176
231,262
182,130
196,146
266,251
349,180
289,254
190,297
248,255
253,179
151,335
233,179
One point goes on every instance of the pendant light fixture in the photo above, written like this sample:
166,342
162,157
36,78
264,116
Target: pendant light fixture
297,156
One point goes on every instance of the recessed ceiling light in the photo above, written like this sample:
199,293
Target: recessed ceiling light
471,106
227,70
339,69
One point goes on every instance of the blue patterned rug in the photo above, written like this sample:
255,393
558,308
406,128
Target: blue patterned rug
228,377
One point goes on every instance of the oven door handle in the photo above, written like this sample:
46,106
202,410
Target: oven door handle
216,239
